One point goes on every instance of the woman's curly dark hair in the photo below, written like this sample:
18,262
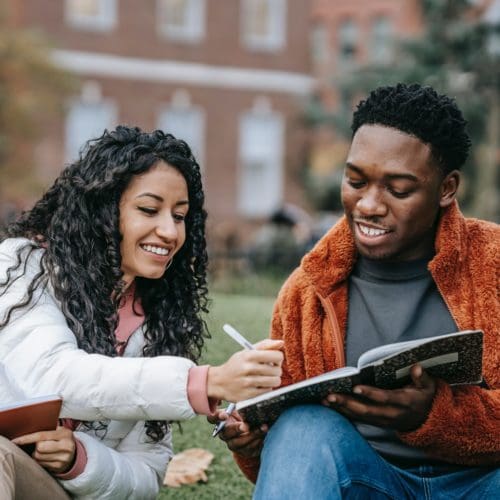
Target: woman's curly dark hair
419,111
77,221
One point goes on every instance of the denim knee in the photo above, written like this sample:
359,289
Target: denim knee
305,418
306,426
306,454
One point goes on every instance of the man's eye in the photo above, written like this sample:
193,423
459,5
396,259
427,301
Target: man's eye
356,184
399,194
148,210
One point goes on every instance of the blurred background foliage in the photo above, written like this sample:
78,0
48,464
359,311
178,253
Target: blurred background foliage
32,92
456,56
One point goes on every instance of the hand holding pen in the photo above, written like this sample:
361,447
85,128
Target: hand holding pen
264,345
235,335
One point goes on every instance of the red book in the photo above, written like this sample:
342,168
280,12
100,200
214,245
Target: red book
29,415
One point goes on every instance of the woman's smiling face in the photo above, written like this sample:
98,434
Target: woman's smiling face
153,209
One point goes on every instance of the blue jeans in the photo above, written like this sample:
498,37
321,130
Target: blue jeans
313,452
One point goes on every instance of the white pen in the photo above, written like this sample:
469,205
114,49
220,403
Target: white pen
235,335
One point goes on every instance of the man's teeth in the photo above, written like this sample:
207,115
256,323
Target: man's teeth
371,231
156,250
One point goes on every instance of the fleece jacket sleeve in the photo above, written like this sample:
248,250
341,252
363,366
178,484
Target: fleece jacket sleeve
463,426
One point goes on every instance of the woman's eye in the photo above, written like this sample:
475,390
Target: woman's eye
148,210
179,217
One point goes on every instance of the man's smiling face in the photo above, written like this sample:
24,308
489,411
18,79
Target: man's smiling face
392,192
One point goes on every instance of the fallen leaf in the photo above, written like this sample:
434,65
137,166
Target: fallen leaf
188,467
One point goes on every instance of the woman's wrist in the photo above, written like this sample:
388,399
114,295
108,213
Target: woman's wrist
215,382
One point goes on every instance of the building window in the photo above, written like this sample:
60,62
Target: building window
182,20
261,138
95,15
381,40
264,24
185,122
347,38
87,120
320,44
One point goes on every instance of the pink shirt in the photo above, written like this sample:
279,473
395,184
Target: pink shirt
131,317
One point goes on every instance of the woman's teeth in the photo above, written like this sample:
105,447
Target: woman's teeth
156,250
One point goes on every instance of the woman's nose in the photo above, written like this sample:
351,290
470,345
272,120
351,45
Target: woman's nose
166,229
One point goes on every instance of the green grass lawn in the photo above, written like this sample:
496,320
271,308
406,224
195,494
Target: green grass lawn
251,316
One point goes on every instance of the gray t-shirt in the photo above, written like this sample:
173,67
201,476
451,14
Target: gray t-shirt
392,302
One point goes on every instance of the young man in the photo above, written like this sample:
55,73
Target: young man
402,264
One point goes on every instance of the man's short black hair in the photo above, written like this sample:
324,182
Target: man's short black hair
419,111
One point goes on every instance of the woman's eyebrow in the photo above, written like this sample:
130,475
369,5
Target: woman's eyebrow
152,195
160,198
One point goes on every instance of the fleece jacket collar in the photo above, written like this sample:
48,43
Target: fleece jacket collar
332,259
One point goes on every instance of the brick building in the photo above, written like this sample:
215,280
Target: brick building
344,36
347,34
228,76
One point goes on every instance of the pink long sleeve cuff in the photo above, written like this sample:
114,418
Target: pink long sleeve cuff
197,391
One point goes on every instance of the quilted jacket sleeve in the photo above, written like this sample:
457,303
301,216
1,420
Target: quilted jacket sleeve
41,351
134,469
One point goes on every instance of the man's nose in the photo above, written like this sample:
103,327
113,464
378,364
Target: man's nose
372,203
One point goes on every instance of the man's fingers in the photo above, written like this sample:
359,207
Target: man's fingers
420,378
247,444
234,432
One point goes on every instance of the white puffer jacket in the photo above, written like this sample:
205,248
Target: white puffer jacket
39,352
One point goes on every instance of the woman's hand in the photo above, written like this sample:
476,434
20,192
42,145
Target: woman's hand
247,374
54,450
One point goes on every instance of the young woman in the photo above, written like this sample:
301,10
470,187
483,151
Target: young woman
102,284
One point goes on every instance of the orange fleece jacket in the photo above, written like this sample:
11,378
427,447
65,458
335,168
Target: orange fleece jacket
463,426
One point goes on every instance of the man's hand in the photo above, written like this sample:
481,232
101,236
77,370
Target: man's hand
238,436
54,451
403,409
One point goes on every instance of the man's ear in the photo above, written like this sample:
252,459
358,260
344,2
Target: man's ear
449,187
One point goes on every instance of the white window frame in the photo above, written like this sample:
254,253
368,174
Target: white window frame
198,145
192,31
105,20
275,39
342,30
71,147
378,38
320,43
254,201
